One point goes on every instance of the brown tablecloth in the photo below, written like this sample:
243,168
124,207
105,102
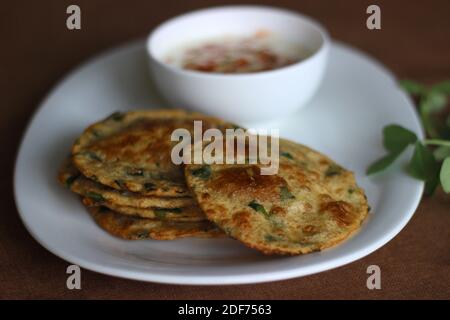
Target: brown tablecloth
37,50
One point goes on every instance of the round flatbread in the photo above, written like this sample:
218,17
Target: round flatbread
192,213
132,151
132,228
99,194
310,204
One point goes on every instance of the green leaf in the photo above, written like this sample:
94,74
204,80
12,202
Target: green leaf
423,165
382,163
443,87
287,155
285,194
333,170
430,186
203,172
445,175
96,197
441,153
91,155
116,116
434,101
70,180
96,134
161,213
412,86
271,238
258,207
397,138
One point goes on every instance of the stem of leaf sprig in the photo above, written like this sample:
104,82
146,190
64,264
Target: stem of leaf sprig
424,164
436,142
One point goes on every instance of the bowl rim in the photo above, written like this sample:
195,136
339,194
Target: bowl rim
323,49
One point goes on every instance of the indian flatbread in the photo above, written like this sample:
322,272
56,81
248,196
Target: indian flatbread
311,204
132,228
99,194
132,151
192,213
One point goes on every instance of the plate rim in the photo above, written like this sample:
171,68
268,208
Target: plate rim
207,279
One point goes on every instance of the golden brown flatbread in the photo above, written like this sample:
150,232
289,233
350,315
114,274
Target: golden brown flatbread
312,203
132,151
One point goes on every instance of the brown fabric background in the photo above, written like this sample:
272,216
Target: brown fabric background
37,50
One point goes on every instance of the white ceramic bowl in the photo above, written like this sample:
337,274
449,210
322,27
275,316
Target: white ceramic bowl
246,97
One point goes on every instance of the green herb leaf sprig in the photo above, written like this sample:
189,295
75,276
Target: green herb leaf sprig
431,157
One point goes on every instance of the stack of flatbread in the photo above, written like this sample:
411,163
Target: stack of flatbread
123,170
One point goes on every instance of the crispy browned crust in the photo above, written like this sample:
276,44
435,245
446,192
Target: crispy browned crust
132,228
70,177
192,213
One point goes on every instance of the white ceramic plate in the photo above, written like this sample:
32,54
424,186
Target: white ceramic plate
344,120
